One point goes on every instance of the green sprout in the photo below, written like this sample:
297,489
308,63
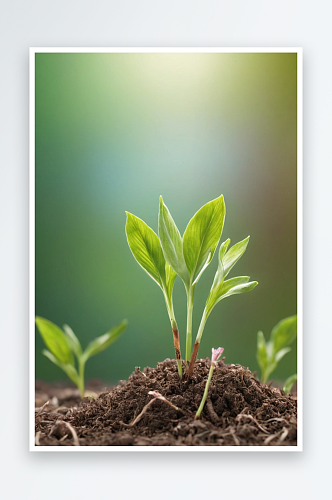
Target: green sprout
216,353
270,353
222,289
63,345
145,247
171,254
189,256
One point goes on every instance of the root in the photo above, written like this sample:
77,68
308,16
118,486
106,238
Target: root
70,427
254,420
156,395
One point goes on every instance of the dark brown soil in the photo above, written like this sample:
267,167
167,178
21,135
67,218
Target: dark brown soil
240,411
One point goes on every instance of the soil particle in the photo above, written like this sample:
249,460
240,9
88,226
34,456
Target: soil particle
240,411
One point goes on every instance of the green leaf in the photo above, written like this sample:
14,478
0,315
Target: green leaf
227,288
261,355
70,370
223,249
280,354
104,341
146,248
284,333
55,340
289,383
73,341
233,255
171,242
220,274
201,237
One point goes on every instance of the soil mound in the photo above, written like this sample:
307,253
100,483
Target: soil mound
239,411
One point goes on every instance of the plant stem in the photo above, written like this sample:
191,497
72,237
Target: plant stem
201,406
190,303
81,367
175,331
177,345
196,345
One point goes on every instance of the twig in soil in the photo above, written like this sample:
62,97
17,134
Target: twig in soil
236,439
37,438
70,427
277,419
42,408
254,420
283,434
156,395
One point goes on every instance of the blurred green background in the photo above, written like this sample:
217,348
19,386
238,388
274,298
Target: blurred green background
113,132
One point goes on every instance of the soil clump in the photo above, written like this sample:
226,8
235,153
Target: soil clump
157,408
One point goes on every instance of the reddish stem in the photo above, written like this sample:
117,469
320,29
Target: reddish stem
193,359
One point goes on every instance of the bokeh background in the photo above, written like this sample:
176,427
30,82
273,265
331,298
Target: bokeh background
113,132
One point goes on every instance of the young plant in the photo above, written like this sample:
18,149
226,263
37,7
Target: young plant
145,247
189,256
222,289
289,383
171,254
270,353
64,345
216,353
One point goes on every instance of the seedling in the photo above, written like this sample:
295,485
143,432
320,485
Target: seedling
270,353
189,256
171,254
146,248
222,289
216,353
63,345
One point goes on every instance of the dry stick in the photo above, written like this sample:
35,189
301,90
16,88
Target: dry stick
37,438
236,439
277,419
73,432
283,434
156,395
70,427
241,415
42,407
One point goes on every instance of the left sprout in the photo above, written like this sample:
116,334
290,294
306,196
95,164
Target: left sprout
63,347
146,248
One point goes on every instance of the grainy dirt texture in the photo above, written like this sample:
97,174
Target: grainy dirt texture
240,411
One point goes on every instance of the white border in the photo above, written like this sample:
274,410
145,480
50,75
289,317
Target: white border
33,51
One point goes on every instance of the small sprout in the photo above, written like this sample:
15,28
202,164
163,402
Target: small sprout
216,353
63,345
270,353
222,289
145,247
189,256
289,383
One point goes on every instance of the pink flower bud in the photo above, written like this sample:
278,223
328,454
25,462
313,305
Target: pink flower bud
216,353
